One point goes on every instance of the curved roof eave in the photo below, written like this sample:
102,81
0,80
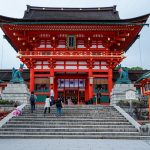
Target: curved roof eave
144,76
142,19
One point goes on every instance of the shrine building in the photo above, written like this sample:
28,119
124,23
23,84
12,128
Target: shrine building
71,50
144,83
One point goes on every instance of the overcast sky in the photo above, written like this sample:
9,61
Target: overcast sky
137,55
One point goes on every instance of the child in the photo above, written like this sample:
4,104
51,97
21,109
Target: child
17,112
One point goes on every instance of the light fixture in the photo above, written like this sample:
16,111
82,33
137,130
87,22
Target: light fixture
91,80
51,80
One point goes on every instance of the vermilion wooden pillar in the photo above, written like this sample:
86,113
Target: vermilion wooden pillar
31,79
90,83
55,88
86,89
109,80
52,79
142,90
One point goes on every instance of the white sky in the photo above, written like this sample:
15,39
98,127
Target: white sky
137,55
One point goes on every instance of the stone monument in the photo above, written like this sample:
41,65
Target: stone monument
122,86
16,90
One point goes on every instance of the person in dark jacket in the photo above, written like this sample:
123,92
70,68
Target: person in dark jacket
33,99
59,107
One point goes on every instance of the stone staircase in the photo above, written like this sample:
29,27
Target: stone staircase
83,122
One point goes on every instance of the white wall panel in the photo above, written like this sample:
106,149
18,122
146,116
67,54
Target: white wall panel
38,67
82,62
38,62
71,67
83,67
45,67
104,67
96,63
59,67
61,46
96,67
45,62
59,62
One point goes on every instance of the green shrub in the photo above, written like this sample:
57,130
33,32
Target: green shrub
123,103
7,102
139,104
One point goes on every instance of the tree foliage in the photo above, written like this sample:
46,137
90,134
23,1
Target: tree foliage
136,68
132,68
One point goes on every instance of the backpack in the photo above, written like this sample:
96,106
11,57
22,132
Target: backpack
58,103
32,99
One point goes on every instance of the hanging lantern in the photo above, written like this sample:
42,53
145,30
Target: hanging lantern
51,80
91,80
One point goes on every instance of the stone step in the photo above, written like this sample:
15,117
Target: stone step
64,126
70,133
80,106
40,136
67,114
68,130
77,109
72,112
69,119
66,123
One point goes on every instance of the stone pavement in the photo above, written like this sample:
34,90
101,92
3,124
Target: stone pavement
73,144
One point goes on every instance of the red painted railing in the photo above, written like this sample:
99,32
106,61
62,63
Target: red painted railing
70,53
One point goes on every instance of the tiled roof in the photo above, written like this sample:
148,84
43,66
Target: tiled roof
5,74
71,14
144,76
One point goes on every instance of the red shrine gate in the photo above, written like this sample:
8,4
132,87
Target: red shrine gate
71,50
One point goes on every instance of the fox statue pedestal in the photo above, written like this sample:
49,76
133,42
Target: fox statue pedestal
119,92
123,89
16,92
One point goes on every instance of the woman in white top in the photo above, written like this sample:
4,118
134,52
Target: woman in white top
47,104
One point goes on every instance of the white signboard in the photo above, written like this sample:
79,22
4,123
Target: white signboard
130,95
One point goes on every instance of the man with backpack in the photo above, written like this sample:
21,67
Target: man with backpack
33,99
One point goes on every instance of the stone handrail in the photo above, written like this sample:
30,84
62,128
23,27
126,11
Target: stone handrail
129,118
9,116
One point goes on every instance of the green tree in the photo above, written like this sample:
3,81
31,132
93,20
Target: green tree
136,68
